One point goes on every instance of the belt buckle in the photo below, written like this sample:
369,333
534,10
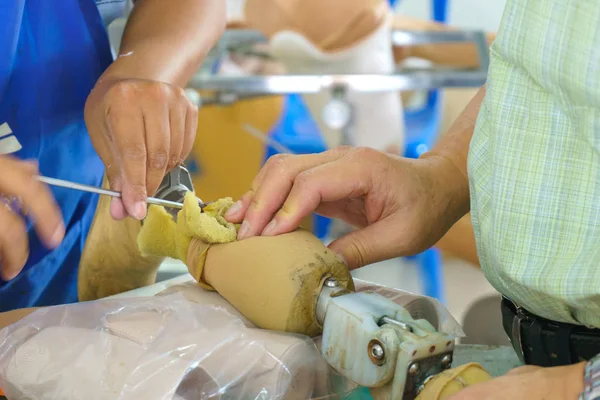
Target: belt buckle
516,339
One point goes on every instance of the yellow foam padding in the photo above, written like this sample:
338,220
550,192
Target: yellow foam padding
162,236
451,381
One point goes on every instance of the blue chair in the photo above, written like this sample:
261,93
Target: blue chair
299,133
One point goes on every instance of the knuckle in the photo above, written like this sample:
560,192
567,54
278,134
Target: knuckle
342,150
254,188
122,91
179,92
133,152
174,160
255,208
286,210
139,191
279,162
159,90
158,160
303,179
364,152
192,109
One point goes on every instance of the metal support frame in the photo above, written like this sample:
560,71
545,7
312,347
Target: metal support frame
231,89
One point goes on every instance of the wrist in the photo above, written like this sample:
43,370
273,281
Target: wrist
156,60
452,186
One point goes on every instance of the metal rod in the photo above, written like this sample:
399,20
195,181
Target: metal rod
235,37
105,192
366,83
266,139
391,321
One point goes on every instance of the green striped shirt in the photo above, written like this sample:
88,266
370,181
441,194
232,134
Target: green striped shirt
534,161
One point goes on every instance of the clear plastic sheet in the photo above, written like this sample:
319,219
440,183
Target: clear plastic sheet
184,343
162,347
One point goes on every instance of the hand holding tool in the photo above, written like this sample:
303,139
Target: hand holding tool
106,192
170,193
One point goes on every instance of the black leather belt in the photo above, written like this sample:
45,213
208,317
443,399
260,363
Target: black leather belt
539,341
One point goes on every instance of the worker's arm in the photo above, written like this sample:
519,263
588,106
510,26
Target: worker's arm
463,55
400,206
454,147
166,41
138,116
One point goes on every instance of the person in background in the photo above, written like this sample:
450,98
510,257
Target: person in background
79,114
524,158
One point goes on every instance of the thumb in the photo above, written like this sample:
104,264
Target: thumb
365,246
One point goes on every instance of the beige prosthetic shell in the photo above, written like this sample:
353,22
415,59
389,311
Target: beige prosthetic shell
330,25
272,281
275,281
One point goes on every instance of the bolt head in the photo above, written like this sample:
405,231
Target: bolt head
446,361
376,352
331,283
414,369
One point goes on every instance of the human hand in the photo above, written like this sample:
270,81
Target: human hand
18,184
141,129
401,206
529,383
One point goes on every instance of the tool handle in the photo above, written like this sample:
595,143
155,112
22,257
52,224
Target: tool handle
105,192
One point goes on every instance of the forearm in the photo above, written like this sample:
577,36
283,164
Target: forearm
166,41
453,149
111,262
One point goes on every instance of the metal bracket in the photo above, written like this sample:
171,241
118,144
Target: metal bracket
377,344
174,187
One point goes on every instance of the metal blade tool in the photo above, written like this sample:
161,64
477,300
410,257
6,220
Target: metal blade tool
170,193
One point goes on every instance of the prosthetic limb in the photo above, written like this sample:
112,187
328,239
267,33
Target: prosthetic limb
293,283
111,262
282,274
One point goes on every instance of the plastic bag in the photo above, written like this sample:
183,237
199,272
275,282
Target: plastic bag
163,347
185,343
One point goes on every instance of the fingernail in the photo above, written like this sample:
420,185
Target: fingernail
234,209
269,228
57,236
243,230
140,210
